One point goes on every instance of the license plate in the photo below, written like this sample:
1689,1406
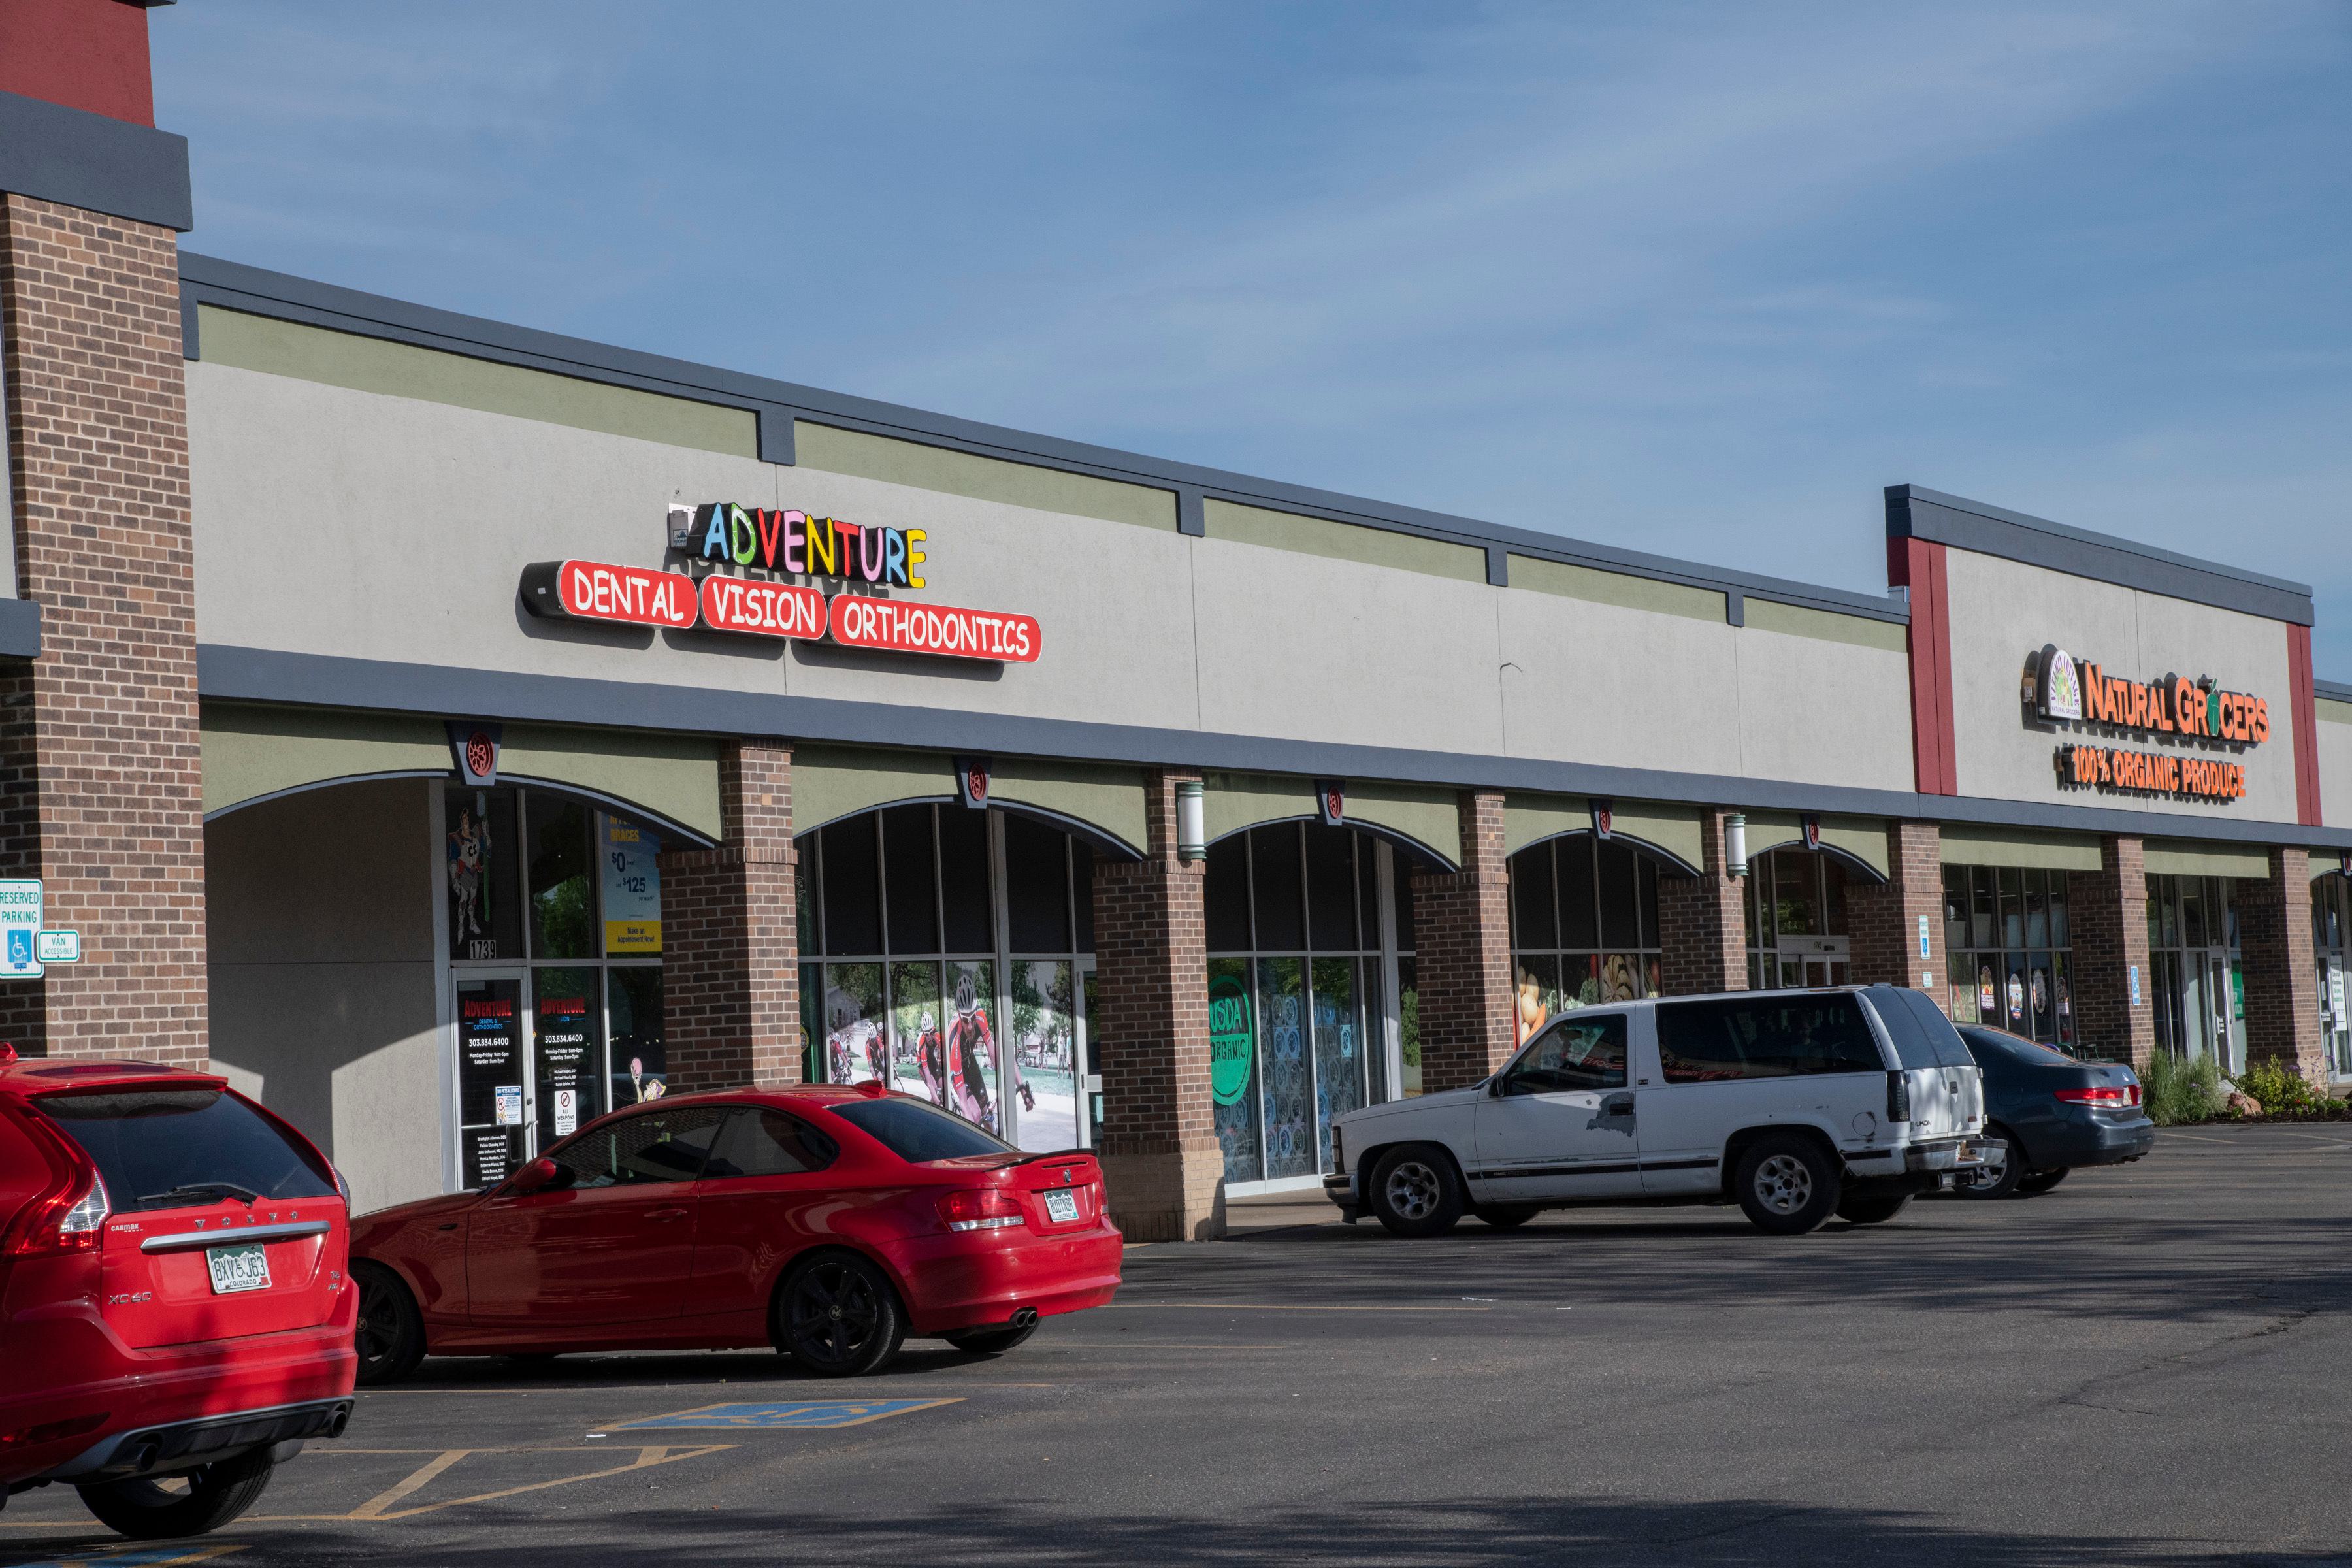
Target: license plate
234,1268
1061,1205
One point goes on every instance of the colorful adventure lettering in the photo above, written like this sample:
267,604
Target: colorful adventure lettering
792,542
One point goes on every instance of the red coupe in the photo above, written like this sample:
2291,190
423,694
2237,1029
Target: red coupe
830,1222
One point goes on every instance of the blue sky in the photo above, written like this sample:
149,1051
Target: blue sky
1692,278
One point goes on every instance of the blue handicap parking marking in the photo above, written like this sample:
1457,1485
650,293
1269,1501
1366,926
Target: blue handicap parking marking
798,1415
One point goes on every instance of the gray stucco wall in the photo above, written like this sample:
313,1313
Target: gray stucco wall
2335,764
2002,611
332,519
320,917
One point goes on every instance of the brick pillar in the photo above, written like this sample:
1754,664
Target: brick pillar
1883,921
2107,916
2282,975
1461,931
730,933
1163,1169
99,739
1703,921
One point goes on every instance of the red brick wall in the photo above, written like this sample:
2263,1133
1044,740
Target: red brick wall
1703,923
2281,968
1883,921
1461,931
1151,990
2106,917
730,934
106,802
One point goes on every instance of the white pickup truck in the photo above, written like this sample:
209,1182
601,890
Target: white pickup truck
1797,1105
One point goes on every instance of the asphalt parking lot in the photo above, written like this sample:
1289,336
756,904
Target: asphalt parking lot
2143,1366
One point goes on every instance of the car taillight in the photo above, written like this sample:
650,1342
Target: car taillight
1898,1098
981,1208
69,1217
2101,1094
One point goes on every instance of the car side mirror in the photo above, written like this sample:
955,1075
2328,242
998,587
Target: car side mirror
536,1177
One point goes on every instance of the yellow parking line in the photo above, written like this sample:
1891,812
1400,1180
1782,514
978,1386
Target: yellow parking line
646,1460
375,1506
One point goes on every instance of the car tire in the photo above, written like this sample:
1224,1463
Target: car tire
2015,1171
1875,1209
838,1316
391,1336
2041,1182
144,1511
1415,1192
994,1339
1787,1185
1509,1216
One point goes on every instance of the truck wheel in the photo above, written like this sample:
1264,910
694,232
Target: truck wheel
1416,1192
2013,1172
391,1339
1875,1210
147,1510
1786,1185
1507,1218
2041,1182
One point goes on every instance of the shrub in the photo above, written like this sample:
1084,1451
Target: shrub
2283,1091
2178,1091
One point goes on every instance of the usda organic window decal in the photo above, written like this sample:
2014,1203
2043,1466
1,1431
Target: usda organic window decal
1232,1041
740,564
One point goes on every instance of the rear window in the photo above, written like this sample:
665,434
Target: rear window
915,1132
180,1148
1783,1037
1922,1036
2016,1047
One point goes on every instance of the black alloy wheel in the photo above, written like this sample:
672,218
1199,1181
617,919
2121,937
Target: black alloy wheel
165,1509
993,1341
391,1338
839,1317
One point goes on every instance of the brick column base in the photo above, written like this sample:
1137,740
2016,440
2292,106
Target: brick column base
1462,935
2281,969
1163,1169
1703,923
2106,917
1885,920
730,934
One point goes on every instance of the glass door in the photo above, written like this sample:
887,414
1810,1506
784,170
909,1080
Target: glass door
2220,1002
494,1076
1089,1072
1814,960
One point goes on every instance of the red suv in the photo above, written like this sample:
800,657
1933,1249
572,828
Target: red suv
174,1299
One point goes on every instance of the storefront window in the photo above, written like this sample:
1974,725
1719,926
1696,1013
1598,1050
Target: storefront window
905,981
555,916
2194,965
2008,940
1796,920
1297,968
2331,933
1584,926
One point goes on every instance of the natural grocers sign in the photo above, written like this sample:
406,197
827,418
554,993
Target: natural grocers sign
1232,1041
2183,711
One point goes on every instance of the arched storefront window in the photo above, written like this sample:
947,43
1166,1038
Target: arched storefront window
2011,941
1304,971
1796,927
553,905
948,952
1584,926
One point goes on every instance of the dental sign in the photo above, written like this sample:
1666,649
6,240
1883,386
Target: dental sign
2194,712
720,540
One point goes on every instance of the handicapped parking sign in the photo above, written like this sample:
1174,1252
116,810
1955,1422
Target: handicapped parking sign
20,924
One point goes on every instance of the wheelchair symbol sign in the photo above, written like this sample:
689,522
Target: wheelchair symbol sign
20,922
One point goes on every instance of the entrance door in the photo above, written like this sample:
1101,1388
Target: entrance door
2220,1001
1087,1074
1814,960
494,1079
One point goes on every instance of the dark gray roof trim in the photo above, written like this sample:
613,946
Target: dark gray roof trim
1914,513
95,162
264,675
209,281
2334,690
20,628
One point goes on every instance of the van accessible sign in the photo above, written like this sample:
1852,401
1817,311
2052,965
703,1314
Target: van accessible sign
726,540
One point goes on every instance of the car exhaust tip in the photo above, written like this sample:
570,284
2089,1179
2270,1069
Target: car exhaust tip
342,1418
1025,1317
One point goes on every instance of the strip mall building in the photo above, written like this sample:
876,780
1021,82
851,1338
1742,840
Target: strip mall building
450,731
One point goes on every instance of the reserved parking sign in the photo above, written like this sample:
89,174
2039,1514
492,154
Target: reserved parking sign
20,928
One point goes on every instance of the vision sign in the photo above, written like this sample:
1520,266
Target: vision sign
724,542
2061,690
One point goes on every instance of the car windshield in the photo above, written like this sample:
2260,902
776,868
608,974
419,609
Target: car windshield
916,1132
180,1148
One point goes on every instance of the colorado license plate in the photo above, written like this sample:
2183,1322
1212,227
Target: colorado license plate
1061,1205
234,1268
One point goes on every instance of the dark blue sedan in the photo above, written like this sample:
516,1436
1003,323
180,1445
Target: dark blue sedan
2056,1112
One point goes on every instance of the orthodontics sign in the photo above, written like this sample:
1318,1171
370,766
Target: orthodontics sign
2061,690
723,542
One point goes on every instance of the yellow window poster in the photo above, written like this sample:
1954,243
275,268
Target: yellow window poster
631,888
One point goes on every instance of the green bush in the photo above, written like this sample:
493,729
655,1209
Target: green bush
2179,1091
2282,1092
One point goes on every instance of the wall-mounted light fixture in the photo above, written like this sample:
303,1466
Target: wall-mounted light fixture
1735,845
1192,822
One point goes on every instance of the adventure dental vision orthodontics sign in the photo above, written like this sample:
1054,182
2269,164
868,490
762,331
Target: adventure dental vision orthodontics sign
2060,690
722,540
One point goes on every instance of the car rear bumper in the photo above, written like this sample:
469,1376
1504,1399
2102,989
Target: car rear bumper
971,1281
179,1446
2092,1140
